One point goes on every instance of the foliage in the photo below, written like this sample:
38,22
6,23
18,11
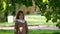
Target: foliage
27,3
50,9
7,8
1,5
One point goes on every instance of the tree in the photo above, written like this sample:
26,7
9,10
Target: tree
8,6
54,10
1,12
27,3
49,8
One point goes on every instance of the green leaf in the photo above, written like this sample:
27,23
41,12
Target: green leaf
54,20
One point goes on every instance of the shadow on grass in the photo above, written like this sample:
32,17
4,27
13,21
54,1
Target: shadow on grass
56,33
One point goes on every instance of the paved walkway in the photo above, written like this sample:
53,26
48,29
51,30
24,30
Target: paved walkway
32,27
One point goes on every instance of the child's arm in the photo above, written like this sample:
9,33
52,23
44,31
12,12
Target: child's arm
26,27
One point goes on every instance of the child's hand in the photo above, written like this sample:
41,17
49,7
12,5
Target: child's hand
21,29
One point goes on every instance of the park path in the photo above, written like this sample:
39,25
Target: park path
32,27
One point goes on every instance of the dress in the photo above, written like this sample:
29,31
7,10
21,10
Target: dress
20,28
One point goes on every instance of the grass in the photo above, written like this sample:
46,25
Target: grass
32,31
38,19
6,32
31,21
6,24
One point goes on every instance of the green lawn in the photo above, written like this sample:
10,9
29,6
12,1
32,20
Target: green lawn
40,20
32,32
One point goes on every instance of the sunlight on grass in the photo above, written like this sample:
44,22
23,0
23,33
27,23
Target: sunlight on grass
32,31
33,20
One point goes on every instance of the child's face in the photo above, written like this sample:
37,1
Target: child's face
21,16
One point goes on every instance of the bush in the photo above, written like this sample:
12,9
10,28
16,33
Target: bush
2,17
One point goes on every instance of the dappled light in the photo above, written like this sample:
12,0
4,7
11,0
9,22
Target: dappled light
29,16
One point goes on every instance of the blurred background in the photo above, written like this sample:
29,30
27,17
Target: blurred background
42,16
